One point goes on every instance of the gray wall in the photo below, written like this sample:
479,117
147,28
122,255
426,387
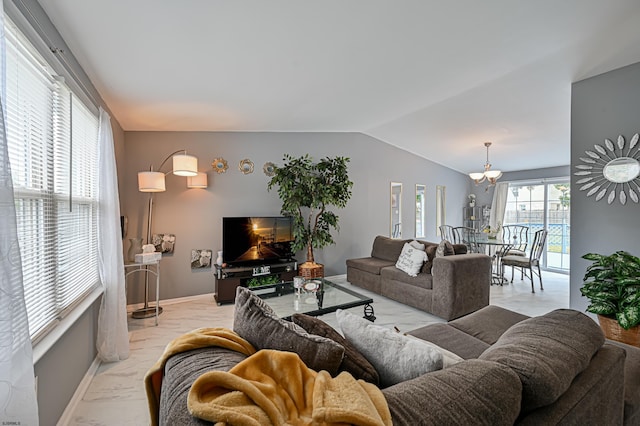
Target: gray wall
194,215
602,107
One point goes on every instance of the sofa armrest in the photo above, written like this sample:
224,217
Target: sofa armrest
461,284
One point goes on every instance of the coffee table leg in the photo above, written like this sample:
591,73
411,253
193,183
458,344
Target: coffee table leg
368,313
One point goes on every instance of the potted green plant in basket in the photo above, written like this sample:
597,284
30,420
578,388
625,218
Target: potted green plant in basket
307,190
612,284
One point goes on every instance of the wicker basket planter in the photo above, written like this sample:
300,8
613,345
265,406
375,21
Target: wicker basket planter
613,331
311,270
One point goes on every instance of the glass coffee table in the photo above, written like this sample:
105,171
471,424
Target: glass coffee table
317,297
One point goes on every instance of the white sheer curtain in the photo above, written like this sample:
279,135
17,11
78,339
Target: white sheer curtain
499,204
18,401
113,336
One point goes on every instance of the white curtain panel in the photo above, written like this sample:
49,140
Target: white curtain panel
18,401
498,204
113,337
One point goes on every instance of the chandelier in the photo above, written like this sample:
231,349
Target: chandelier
490,175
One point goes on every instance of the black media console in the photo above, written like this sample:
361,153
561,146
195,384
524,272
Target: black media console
227,279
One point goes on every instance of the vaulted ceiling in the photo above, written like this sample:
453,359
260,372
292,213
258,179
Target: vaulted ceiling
436,78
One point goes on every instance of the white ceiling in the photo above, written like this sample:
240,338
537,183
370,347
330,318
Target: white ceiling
434,77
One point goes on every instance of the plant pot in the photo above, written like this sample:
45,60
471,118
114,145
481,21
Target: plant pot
613,331
311,270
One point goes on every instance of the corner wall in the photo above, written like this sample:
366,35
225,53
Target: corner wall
195,215
602,107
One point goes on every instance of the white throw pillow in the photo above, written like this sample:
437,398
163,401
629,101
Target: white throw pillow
411,259
448,357
396,357
416,245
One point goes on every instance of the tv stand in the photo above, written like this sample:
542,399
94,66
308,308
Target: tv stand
227,279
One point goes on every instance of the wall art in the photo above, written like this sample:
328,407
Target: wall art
164,243
201,258
220,165
611,171
246,166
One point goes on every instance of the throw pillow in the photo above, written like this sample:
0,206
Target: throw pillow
353,362
448,357
431,254
257,323
416,245
396,357
547,352
411,259
445,248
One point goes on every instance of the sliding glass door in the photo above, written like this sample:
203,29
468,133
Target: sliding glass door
543,206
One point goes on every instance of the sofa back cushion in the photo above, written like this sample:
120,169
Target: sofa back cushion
472,392
547,352
387,248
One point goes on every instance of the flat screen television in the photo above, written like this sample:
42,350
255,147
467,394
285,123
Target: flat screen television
252,240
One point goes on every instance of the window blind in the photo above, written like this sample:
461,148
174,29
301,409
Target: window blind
53,145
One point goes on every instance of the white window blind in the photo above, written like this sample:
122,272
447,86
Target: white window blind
53,146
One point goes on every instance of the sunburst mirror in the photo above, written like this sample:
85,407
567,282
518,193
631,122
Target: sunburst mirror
611,171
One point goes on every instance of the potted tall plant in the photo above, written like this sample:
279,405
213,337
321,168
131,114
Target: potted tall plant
612,284
307,191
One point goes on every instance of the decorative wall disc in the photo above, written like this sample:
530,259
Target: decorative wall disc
220,165
269,169
612,171
246,166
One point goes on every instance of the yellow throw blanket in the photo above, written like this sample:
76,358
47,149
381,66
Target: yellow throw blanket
269,387
277,388
199,338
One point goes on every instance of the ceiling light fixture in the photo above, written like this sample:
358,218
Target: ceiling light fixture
491,175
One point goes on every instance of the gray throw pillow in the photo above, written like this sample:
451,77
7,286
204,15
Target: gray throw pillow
257,323
445,248
547,352
396,357
353,362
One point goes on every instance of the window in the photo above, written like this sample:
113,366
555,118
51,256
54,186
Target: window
543,206
53,147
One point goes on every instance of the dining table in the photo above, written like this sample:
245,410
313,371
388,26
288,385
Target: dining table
497,249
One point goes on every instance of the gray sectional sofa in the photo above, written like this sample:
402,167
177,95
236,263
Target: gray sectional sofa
555,369
449,286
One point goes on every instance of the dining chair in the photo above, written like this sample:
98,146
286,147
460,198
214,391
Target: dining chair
528,263
446,233
468,236
519,236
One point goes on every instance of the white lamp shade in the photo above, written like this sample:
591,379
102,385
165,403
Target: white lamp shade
185,165
151,182
476,176
197,181
493,174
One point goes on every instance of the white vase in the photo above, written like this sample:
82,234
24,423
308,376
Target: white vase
219,258
134,248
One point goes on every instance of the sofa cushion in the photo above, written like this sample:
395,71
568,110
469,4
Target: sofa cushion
353,362
547,352
488,323
430,249
452,339
411,259
257,323
396,357
371,265
472,392
386,248
421,280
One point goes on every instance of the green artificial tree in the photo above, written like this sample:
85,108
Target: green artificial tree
307,191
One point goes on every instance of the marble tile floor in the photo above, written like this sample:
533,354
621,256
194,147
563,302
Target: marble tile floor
116,395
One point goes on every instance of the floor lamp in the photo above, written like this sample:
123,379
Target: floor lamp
153,181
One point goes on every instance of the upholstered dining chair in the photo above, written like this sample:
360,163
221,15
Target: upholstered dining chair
530,262
519,236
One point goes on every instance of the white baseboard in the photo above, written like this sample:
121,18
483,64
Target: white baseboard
135,306
65,419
